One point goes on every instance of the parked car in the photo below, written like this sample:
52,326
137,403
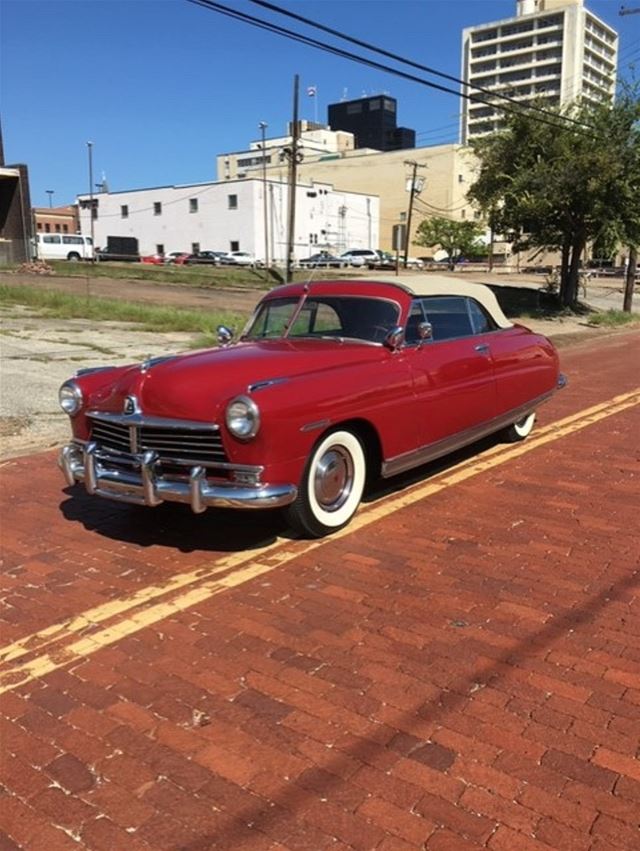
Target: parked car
414,263
153,259
176,257
384,260
239,258
359,256
330,385
322,260
206,258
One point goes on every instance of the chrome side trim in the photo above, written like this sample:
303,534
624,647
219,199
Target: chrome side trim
80,463
432,451
314,426
268,382
138,419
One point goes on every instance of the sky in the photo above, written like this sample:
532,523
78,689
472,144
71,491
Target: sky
161,87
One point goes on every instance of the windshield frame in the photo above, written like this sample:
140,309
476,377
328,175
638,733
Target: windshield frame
298,303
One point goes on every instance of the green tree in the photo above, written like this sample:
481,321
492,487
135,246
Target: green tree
561,185
456,238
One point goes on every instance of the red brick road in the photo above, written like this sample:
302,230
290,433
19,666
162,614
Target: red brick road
461,674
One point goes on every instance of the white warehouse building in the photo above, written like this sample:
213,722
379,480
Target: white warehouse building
229,216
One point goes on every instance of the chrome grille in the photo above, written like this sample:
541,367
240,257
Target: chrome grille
186,445
110,435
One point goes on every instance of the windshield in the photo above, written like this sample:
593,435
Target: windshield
355,317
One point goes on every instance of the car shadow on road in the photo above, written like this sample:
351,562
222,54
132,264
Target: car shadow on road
173,526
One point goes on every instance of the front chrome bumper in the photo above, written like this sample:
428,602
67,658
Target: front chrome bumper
80,463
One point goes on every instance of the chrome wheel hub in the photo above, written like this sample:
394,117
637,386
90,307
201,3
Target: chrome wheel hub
333,479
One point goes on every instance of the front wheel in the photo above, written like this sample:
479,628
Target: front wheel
331,487
520,430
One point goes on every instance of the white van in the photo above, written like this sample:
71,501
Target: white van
63,246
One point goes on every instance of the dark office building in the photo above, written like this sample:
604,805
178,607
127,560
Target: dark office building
373,123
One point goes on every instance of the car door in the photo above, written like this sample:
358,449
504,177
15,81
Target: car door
453,371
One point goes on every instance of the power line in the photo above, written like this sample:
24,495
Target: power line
491,93
311,42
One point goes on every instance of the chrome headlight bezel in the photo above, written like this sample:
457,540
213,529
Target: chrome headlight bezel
70,398
242,418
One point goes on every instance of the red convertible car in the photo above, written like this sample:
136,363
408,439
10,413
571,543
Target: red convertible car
330,385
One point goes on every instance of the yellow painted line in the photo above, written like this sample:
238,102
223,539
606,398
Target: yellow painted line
256,564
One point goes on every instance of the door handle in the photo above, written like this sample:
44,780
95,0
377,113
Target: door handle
483,348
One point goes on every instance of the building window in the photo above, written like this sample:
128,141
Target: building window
461,178
374,104
403,217
47,227
65,229
124,211
389,105
193,205
39,225
157,208
195,248
160,249
235,245
463,214
354,108
232,202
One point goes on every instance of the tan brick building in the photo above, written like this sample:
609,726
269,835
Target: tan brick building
56,219
447,172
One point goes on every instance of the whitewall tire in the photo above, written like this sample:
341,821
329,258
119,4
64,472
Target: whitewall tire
520,430
332,485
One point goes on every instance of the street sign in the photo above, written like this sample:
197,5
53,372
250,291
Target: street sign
399,237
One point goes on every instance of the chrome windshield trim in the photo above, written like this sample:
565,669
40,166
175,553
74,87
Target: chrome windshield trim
151,422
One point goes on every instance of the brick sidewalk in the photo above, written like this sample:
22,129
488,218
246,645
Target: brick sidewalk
462,674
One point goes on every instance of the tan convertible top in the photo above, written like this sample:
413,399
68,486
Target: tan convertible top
444,285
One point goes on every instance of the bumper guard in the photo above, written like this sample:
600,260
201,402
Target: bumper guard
81,463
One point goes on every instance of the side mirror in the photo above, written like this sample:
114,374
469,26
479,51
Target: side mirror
425,331
394,338
225,335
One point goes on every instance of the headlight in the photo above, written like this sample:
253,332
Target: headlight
243,417
70,398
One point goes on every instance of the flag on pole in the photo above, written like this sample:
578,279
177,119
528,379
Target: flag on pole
312,91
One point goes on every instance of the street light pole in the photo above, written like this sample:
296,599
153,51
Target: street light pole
265,208
90,149
50,193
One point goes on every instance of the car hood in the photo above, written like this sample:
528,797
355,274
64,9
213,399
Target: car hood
196,386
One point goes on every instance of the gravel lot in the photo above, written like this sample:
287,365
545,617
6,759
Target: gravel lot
38,354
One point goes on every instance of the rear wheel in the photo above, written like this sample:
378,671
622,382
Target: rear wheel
331,487
520,430
73,256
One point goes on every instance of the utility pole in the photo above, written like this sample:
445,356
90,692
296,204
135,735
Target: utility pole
412,193
294,156
90,150
265,208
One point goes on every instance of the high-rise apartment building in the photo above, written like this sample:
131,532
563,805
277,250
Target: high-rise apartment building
552,50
